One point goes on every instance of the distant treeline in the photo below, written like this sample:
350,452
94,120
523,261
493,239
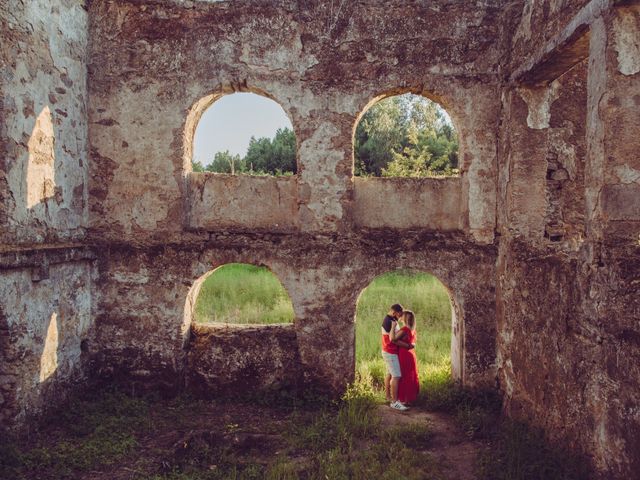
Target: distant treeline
265,156
401,136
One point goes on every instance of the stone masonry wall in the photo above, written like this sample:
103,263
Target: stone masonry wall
242,359
106,234
156,66
45,272
143,300
322,66
43,129
569,258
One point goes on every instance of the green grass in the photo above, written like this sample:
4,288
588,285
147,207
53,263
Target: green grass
241,293
90,432
429,300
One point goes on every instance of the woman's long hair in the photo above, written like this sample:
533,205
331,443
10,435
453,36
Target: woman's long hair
409,319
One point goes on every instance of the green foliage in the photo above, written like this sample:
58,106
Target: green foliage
265,156
406,135
350,443
197,166
225,162
241,293
272,156
89,433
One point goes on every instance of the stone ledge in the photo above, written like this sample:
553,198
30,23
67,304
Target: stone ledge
224,358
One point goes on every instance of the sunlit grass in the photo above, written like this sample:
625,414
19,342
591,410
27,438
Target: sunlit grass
429,300
241,293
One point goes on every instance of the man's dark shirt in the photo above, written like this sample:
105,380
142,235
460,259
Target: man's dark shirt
386,323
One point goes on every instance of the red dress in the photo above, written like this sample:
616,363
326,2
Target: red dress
409,385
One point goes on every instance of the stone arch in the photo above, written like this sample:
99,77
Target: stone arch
201,105
457,317
225,358
443,101
194,291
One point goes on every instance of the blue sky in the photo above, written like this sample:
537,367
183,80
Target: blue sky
229,123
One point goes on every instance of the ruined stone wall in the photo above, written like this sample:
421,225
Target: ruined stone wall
569,258
537,240
155,67
243,359
44,273
43,323
44,128
144,301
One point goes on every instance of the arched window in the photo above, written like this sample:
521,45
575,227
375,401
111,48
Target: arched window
405,136
437,347
243,133
239,293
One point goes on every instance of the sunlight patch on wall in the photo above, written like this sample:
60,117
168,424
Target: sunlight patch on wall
49,358
40,176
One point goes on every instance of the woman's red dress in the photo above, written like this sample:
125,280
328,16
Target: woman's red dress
409,385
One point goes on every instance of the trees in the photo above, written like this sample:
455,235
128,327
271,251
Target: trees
275,156
405,136
264,156
225,162
402,136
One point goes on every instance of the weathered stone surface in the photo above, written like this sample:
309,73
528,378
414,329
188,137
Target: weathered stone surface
430,203
245,359
234,201
323,276
45,269
43,324
569,256
537,240
43,121
323,78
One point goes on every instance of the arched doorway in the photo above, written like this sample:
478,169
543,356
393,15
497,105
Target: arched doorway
439,331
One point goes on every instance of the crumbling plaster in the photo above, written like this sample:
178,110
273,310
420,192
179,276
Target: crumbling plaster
537,240
43,125
566,306
45,275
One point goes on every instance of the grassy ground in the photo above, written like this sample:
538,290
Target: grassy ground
241,293
113,436
429,300
109,435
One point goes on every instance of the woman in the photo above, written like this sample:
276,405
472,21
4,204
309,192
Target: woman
409,384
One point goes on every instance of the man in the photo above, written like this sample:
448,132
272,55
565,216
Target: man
390,355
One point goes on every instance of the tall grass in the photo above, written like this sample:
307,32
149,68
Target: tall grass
241,293
429,300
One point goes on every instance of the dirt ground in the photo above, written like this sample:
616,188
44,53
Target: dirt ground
450,446
258,434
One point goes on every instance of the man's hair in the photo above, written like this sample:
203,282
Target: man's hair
396,307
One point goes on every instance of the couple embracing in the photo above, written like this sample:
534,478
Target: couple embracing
401,382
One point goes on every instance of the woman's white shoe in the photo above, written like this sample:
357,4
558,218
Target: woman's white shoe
398,406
